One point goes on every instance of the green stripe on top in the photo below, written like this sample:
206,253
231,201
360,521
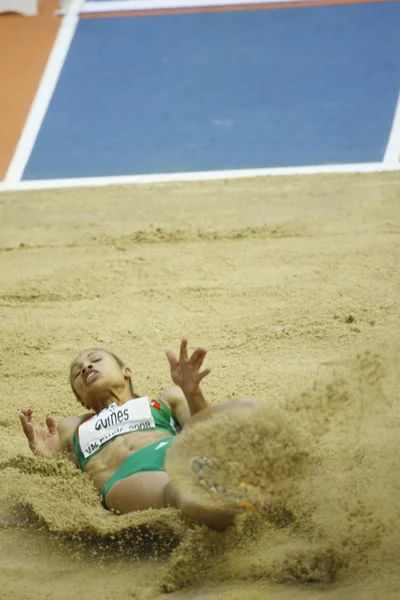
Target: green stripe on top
163,419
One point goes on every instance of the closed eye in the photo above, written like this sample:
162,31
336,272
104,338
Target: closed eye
94,360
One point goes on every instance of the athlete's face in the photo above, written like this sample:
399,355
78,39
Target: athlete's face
96,377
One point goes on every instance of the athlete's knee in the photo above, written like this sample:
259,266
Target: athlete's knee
170,495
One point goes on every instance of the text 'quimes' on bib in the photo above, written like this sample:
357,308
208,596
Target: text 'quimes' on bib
114,420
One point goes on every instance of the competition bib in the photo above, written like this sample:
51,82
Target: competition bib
114,420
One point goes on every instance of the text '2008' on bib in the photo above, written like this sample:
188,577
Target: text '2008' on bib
114,420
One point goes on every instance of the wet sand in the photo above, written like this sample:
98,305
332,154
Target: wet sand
293,285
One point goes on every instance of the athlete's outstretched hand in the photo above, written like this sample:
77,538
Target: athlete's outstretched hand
185,371
44,442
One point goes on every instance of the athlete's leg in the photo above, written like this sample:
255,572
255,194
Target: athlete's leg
154,489
227,406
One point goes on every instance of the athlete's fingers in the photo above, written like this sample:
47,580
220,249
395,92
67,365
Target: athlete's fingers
172,359
204,374
198,357
27,427
27,412
22,418
51,425
183,355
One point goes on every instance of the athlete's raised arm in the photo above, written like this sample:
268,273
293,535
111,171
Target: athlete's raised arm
185,372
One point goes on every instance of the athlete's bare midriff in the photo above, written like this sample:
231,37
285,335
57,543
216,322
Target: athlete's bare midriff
103,465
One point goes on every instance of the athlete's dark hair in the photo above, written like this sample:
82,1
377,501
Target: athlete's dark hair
119,362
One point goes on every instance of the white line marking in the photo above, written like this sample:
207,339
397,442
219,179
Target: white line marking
127,5
392,154
195,176
44,94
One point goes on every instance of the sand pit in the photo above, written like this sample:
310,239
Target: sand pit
293,285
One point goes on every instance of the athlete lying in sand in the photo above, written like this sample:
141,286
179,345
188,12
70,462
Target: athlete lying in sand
122,442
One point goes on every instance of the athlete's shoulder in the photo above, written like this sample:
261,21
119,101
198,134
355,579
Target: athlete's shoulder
67,426
172,396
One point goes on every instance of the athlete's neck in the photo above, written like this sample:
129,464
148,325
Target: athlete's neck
111,397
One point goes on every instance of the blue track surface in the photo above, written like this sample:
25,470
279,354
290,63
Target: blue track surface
223,90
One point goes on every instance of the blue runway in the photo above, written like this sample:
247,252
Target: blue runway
223,90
